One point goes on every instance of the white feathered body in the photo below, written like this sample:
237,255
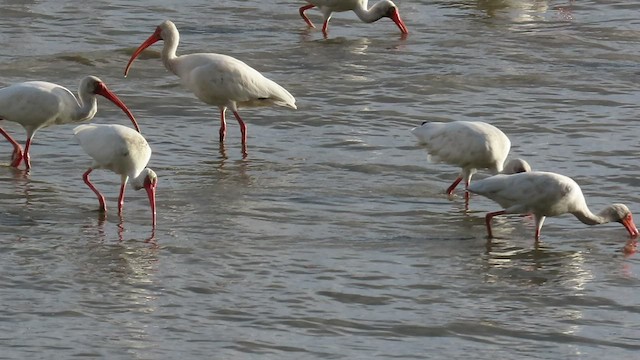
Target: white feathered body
38,104
338,5
223,80
114,147
469,145
537,192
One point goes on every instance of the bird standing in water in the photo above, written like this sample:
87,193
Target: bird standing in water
216,79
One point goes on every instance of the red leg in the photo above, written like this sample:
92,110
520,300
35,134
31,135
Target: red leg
27,157
16,157
539,223
466,193
85,176
304,16
488,220
223,125
243,131
121,197
453,186
325,27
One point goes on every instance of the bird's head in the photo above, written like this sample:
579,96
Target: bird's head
515,166
166,31
388,9
621,213
94,86
90,84
149,181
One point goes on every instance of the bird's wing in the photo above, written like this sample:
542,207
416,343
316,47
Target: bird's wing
35,104
335,5
224,77
453,144
102,142
525,192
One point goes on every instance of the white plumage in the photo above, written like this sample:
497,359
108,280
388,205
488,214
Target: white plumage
123,151
384,8
39,104
218,80
469,145
546,194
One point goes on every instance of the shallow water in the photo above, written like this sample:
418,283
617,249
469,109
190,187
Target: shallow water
334,238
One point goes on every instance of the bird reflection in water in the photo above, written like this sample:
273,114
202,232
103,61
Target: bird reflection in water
524,10
515,10
630,247
120,230
223,153
536,266
566,12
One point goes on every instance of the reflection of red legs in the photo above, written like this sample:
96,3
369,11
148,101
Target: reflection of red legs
223,125
85,176
121,228
466,200
243,131
565,12
16,157
630,247
488,220
152,238
304,16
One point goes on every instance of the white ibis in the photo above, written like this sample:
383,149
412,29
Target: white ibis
384,8
216,79
38,104
123,151
546,194
470,145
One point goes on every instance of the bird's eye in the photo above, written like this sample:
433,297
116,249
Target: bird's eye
95,86
424,122
391,11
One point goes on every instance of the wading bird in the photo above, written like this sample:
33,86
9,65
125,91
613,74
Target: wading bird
123,151
546,194
218,80
39,104
469,145
384,8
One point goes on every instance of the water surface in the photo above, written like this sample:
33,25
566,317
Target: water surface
333,239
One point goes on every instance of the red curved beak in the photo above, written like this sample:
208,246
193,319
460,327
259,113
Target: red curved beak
395,16
102,89
150,187
630,226
150,41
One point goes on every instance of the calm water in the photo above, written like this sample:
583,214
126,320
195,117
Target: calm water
333,239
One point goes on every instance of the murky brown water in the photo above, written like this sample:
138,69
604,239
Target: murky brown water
333,239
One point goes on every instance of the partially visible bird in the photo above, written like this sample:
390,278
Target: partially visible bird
546,194
383,8
39,104
218,80
123,151
469,145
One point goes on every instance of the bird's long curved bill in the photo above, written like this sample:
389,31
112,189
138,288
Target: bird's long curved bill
395,16
630,226
150,41
104,91
151,192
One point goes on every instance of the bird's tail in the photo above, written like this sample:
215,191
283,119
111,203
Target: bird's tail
280,96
